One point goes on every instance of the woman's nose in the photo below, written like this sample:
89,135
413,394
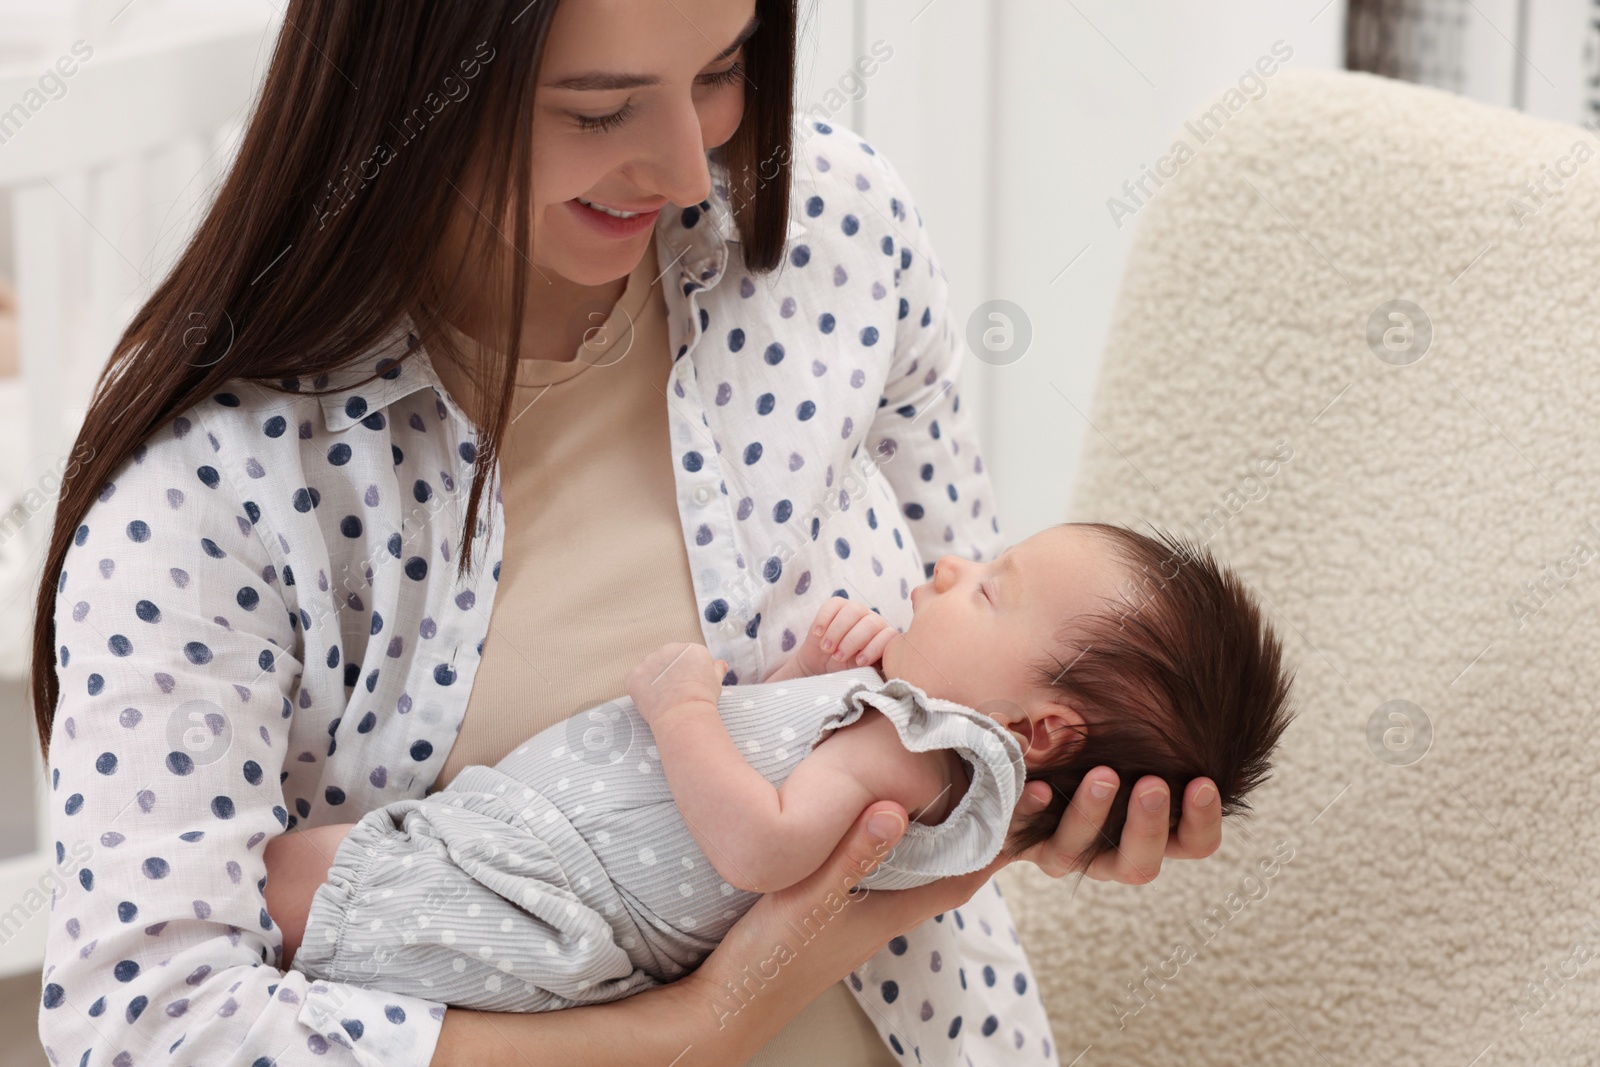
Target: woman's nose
680,168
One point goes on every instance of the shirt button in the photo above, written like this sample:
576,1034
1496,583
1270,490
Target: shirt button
702,494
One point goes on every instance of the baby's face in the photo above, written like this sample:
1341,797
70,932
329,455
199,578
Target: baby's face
976,627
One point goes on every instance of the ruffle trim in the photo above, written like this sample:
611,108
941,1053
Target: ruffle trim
972,834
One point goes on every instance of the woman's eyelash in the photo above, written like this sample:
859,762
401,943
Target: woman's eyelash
618,117
723,77
605,122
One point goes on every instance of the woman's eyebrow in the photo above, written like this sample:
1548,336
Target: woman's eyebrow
610,80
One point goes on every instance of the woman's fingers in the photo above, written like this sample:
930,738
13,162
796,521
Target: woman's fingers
868,843
1200,824
1080,824
1137,859
893,913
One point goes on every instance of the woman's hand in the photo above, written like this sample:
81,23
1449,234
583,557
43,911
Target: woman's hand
676,673
1145,842
852,928
764,941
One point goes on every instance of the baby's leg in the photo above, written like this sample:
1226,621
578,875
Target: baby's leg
296,864
480,896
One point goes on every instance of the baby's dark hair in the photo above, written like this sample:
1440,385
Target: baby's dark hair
1180,678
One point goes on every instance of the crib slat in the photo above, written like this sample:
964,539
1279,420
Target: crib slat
174,188
41,317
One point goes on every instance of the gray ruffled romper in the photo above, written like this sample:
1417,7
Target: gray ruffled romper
566,875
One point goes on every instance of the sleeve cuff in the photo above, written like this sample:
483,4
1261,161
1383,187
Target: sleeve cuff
379,1029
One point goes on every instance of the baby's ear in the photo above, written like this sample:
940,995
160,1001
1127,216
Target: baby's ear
1058,731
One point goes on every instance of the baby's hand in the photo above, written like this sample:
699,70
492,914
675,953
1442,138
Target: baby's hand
845,634
672,675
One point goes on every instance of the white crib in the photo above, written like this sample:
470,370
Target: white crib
103,181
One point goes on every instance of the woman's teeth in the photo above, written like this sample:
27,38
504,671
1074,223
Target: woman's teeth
609,211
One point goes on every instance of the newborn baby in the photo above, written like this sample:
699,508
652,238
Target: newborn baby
613,851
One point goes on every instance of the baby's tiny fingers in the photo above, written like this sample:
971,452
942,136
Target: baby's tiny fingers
826,614
874,650
860,635
842,624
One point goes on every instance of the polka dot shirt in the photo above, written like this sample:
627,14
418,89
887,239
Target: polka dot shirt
261,627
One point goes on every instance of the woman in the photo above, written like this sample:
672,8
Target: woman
349,496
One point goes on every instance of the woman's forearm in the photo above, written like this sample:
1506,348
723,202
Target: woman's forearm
691,1023
780,956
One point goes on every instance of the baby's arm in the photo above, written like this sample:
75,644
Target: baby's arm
758,837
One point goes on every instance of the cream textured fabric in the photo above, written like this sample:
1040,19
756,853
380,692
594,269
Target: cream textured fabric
1431,537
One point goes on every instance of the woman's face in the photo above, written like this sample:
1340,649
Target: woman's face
631,94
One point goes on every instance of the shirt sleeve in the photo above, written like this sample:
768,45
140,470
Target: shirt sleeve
177,661
923,439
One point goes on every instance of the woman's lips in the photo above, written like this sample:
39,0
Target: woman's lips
610,225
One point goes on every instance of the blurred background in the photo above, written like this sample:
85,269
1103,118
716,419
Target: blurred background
1028,130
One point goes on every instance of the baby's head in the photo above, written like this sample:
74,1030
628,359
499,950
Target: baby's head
1098,646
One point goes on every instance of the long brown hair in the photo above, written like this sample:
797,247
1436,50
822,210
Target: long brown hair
320,238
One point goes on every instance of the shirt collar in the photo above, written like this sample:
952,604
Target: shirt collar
350,400
697,253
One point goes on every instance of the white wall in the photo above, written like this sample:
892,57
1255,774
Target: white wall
1014,121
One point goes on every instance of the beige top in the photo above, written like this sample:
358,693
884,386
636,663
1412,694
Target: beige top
594,576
